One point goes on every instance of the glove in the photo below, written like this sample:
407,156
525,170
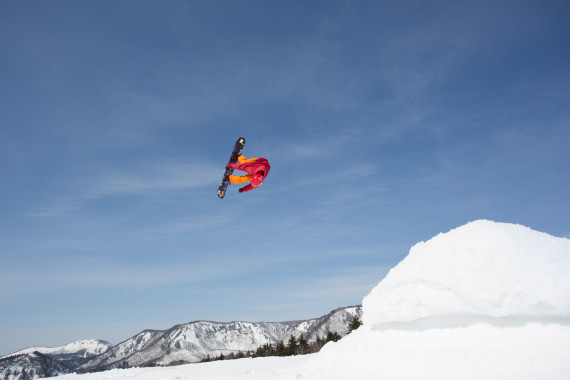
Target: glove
241,190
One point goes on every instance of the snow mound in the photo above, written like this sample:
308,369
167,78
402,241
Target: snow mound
482,271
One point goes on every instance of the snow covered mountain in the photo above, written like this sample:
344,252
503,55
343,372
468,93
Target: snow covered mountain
71,354
30,365
194,341
189,342
483,301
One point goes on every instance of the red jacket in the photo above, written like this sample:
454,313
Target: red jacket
252,168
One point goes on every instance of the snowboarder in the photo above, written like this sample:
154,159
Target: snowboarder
257,170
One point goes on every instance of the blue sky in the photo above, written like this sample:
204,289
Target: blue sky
385,123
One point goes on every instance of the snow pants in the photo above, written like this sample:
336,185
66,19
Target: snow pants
242,178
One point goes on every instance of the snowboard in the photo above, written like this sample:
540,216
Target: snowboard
238,147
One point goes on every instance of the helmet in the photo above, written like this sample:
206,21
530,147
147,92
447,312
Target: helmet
256,180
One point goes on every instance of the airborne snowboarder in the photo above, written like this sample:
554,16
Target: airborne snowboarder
257,170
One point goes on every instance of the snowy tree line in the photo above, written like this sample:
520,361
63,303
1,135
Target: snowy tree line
294,346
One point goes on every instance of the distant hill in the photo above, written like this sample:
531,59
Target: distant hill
31,365
184,343
71,354
194,341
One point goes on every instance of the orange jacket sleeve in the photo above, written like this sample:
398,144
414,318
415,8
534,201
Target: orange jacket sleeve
243,160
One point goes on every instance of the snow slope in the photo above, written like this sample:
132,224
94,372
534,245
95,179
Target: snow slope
484,301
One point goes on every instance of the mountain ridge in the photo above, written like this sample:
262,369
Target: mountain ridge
182,343
73,351
31,365
194,341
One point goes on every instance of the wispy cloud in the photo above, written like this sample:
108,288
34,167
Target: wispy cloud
145,181
157,177
106,274
335,175
343,283
191,224
320,292
326,147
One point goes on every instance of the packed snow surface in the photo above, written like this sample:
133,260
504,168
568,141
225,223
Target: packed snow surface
484,301
483,269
